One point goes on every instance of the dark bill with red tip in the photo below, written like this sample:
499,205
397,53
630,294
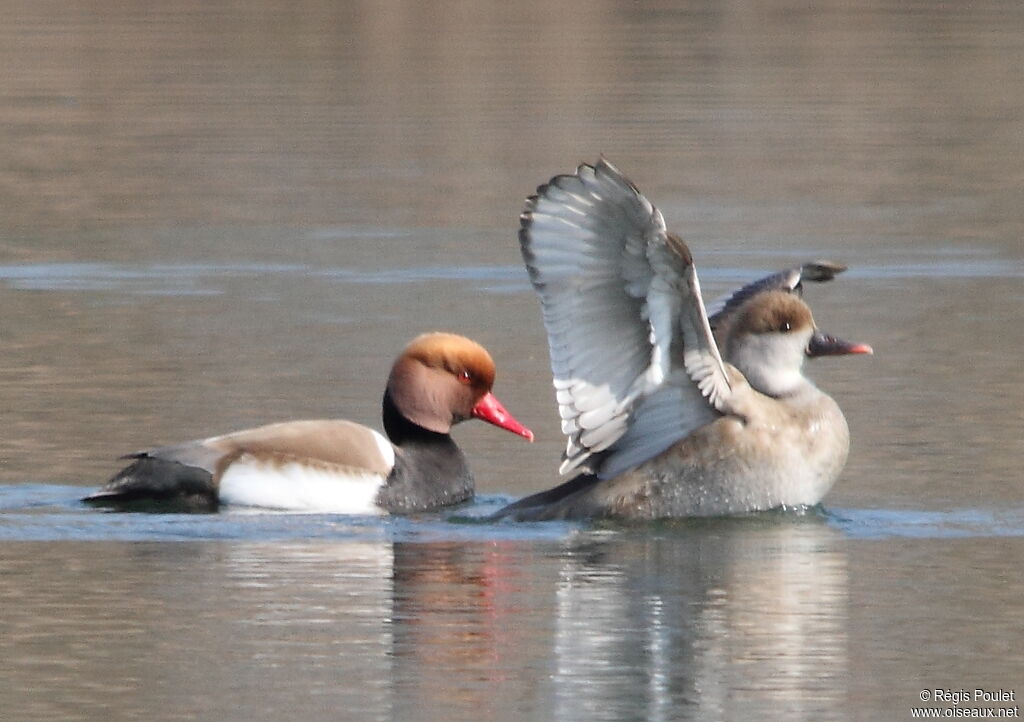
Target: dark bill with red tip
824,345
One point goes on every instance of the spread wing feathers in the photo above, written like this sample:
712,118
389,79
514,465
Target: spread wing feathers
701,357
661,419
616,289
791,279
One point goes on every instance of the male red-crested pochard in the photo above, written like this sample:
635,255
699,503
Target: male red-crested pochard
439,380
668,413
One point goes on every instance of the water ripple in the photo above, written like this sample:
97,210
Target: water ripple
50,512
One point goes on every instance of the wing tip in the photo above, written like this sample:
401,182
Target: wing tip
821,270
134,455
575,464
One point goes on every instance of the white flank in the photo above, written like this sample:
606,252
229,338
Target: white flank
294,486
387,451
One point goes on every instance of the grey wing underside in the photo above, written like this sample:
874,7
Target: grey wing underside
635,365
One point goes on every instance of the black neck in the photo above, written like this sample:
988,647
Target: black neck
401,431
430,470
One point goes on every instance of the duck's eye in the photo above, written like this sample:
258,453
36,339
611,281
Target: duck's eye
786,327
464,377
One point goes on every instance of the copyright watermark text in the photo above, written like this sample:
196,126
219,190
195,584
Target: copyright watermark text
974,703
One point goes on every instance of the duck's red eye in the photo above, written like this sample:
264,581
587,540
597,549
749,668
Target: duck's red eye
464,377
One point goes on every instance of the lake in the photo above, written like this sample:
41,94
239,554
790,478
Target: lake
216,215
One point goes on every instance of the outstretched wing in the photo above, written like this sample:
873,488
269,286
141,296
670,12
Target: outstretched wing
621,305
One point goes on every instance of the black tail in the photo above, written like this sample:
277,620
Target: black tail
152,484
535,504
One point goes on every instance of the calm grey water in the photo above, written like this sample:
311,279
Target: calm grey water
215,215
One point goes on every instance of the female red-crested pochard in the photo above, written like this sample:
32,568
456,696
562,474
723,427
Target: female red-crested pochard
660,425
439,380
